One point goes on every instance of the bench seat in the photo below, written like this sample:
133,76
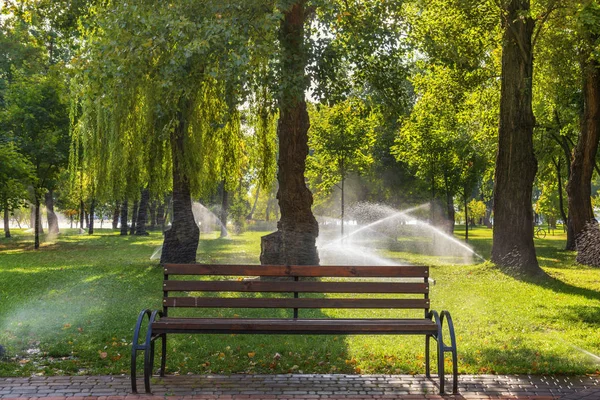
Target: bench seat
294,326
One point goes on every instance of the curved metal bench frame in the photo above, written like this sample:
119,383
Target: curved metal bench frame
148,348
442,349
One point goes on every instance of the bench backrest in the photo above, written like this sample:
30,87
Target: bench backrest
222,280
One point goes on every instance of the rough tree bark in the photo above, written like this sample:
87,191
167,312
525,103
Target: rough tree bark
124,210
51,215
516,165
181,241
294,243
142,216
582,166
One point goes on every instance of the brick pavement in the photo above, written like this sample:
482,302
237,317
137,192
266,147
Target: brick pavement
292,387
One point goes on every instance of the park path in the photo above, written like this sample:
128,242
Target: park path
291,387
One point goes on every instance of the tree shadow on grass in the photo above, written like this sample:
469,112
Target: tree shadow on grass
554,284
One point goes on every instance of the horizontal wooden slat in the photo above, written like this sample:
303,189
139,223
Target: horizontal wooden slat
300,326
301,287
219,302
298,270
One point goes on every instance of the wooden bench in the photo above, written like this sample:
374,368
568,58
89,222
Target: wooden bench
406,288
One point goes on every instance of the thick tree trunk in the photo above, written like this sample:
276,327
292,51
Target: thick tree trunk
181,241
224,211
6,219
115,219
37,223
579,187
92,211
142,216
51,215
516,165
124,210
297,228
134,215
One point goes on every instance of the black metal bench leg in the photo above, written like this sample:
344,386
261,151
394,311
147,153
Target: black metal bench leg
135,347
163,354
452,349
440,351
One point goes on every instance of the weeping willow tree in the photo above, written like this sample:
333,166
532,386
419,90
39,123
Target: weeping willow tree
158,88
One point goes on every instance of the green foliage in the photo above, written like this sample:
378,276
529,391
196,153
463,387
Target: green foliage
477,209
149,66
16,173
341,138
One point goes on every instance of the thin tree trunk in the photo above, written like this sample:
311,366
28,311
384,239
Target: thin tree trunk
37,222
92,210
6,220
466,218
51,215
582,167
142,216
561,200
134,215
295,241
115,219
181,241
224,211
251,214
81,214
124,210
516,165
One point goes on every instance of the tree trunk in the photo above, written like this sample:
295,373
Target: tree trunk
579,187
516,165
51,215
251,214
6,220
92,211
224,211
466,218
142,216
561,201
124,210
152,209
115,219
181,241
297,228
160,215
81,214
449,207
37,222
134,215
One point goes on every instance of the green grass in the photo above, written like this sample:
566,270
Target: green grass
70,308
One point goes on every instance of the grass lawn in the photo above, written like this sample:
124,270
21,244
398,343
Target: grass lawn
70,308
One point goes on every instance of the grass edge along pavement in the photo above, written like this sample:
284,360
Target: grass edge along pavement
69,309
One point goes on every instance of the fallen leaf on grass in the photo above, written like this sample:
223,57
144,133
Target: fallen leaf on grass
251,354
103,354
